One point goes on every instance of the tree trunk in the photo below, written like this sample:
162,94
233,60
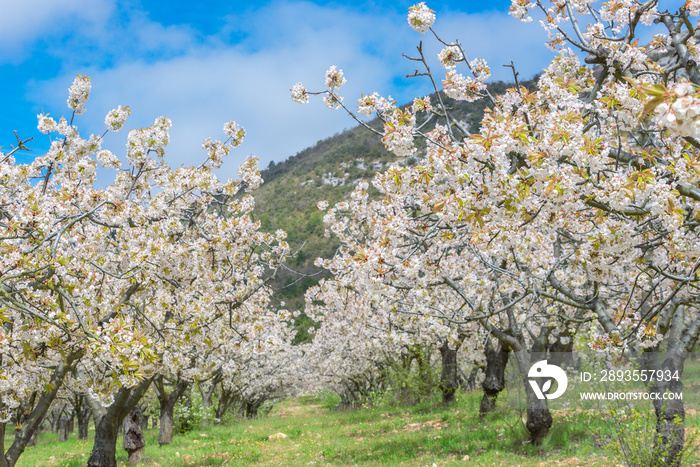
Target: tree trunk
470,381
449,374
206,398
424,373
104,451
670,413
682,337
144,422
407,363
207,393
133,436
225,401
108,421
34,439
64,429
56,419
167,408
3,461
495,380
562,355
83,426
82,413
167,424
251,409
539,418
31,426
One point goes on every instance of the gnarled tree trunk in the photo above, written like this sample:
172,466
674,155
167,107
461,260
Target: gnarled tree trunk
64,429
82,413
449,375
167,408
55,419
3,461
107,423
207,392
539,418
670,414
226,400
682,337
104,451
31,425
495,379
144,421
133,436
251,408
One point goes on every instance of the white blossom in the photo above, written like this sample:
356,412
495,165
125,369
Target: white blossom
420,17
78,94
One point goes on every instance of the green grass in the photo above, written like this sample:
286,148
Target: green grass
403,436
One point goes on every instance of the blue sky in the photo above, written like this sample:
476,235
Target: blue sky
204,63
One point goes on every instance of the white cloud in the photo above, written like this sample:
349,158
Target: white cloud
202,85
24,22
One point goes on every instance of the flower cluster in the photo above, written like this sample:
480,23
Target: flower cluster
108,160
216,151
420,17
449,56
235,132
332,101
481,70
115,119
519,9
459,87
398,134
299,94
145,140
693,7
46,124
421,104
249,173
334,78
680,111
367,104
78,94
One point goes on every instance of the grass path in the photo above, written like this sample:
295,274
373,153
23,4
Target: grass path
318,436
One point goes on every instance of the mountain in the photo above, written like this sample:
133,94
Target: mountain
329,170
